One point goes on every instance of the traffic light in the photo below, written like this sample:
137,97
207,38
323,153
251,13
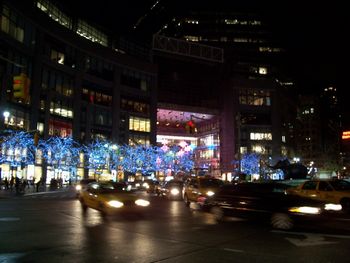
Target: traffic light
21,86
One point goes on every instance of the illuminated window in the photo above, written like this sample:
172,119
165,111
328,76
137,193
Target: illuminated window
61,108
283,138
192,38
58,57
261,136
54,13
139,124
243,149
11,24
91,33
254,97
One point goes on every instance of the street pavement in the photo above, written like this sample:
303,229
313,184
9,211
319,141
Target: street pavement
31,192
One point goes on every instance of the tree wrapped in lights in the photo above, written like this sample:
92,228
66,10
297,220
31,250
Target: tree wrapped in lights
175,158
60,153
98,155
250,163
17,148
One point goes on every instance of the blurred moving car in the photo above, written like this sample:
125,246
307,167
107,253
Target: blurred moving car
198,189
111,198
330,190
151,186
267,201
172,190
82,185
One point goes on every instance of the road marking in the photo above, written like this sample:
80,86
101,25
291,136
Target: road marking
310,240
9,219
234,250
306,234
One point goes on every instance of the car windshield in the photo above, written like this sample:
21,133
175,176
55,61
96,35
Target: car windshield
112,188
174,183
340,185
211,182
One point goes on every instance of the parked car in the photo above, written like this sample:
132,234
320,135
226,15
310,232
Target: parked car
330,190
267,202
198,189
172,190
82,185
111,198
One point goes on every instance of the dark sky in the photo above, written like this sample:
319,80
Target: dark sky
314,32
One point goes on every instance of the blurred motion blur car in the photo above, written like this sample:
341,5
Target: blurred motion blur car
197,189
82,185
111,198
151,186
172,190
330,190
267,202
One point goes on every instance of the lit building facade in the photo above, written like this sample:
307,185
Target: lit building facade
79,83
247,90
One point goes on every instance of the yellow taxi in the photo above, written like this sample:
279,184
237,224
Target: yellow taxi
198,189
332,191
110,198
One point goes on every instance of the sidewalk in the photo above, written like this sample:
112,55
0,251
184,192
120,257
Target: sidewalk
31,190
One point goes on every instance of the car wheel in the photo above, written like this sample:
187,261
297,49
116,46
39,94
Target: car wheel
218,213
281,221
345,203
187,202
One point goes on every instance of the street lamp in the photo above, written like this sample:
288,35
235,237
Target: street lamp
6,115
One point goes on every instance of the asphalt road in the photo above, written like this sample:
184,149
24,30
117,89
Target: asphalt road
43,228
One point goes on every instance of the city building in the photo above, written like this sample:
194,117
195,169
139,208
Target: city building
250,85
61,75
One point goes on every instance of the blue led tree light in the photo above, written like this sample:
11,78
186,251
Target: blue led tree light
17,148
250,163
60,153
98,155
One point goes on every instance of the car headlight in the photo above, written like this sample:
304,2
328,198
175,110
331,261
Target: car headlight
145,185
210,193
333,207
174,191
306,210
78,187
141,202
115,203
137,184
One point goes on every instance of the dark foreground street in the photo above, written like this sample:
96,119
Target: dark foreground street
52,228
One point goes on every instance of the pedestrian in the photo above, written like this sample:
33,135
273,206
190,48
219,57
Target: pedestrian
12,181
17,183
37,182
6,183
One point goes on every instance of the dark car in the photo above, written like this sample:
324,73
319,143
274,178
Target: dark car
267,201
198,189
172,190
82,185
151,186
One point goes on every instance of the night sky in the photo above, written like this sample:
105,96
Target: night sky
315,34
